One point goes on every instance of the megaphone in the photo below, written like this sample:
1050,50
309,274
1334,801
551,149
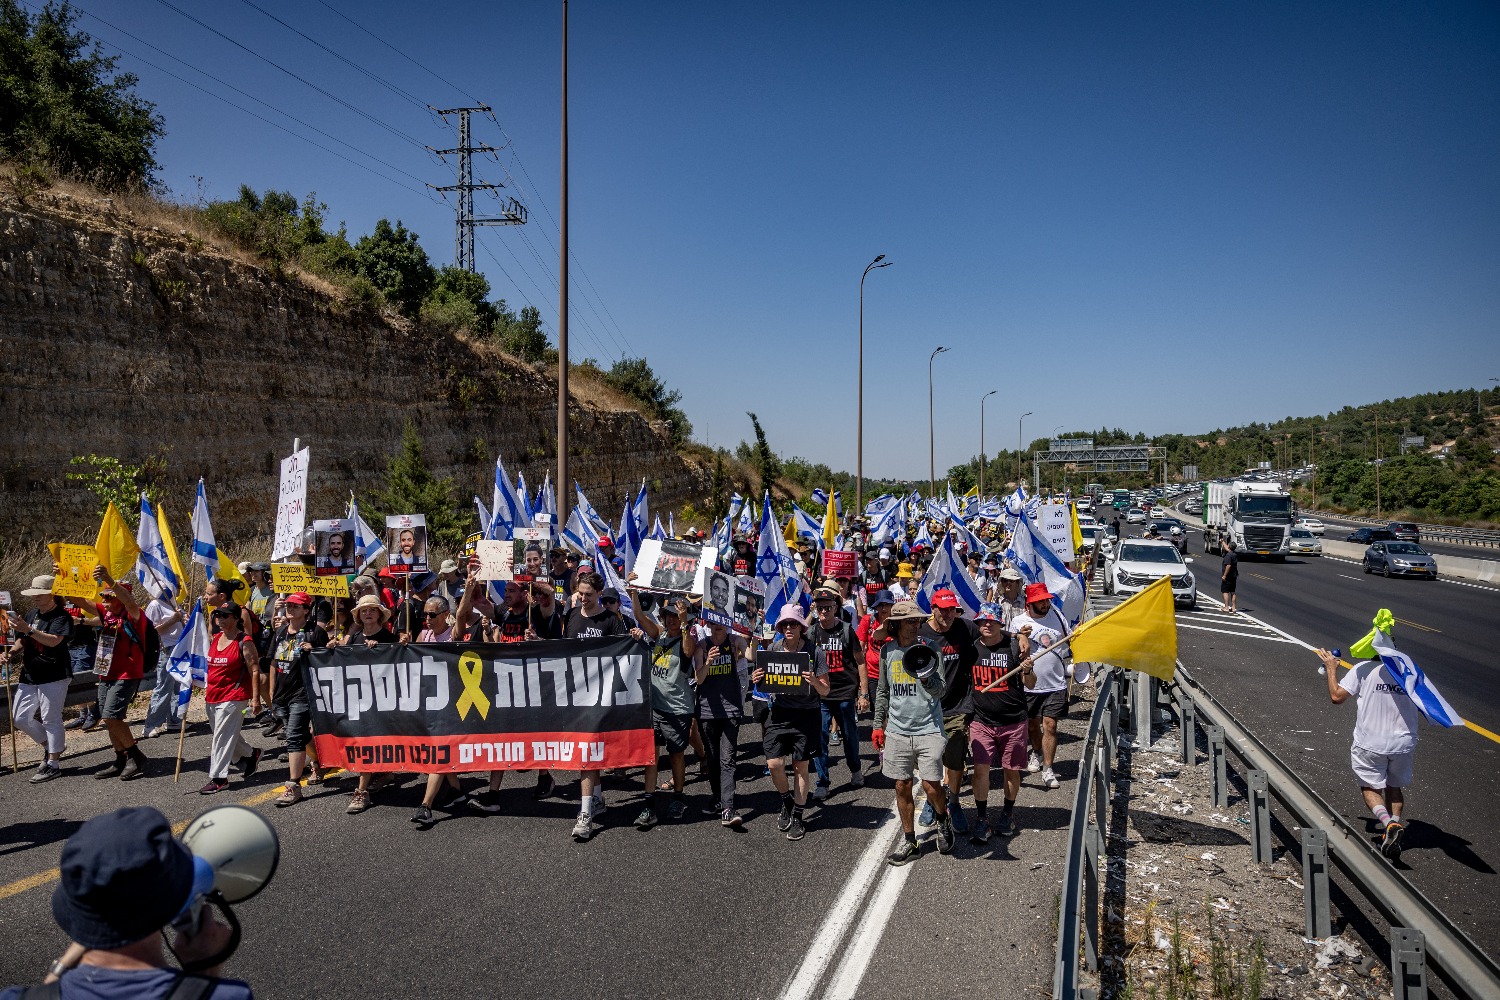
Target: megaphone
921,660
239,845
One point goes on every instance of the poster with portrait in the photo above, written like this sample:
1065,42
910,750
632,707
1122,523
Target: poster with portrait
672,566
749,602
718,599
406,543
333,547
532,547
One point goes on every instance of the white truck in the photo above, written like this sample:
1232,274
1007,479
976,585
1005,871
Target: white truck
1257,515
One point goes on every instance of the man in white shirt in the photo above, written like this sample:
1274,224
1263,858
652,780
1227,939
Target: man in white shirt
1384,751
1039,629
163,712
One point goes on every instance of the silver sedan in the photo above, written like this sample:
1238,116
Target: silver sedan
1399,559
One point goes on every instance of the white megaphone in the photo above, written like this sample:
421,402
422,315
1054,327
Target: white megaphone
239,845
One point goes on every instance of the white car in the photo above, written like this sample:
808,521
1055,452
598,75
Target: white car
1135,516
1136,563
1304,542
1312,524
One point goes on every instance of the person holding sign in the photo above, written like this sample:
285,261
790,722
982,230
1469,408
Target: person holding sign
42,647
909,726
671,706
793,723
848,688
120,662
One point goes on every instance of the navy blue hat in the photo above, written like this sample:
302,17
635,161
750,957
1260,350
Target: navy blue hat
883,597
122,877
423,581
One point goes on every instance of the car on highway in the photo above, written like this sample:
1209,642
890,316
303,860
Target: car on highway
1365,536
1400,559
1404,531
1091,534
1311,524
1135,516
1305,543
1137,563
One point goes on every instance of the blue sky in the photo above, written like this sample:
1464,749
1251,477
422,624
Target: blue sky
1095,206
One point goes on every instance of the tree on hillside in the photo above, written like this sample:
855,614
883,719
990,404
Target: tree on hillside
393,260
634,377
523,335
63,105
767,465
411,488
460,300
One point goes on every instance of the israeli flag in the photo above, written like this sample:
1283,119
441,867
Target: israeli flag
368,545
774,567
581,502
735,503
188,663
745,522
820,497
838,505
1433,706
153,567
1015,504
947,572
205,549
547,502
973,541
924,537
1034,559
628,542
875,508
889,524
805,527
721,543
657,531
484,515
507,509
580,535
641,511
611,578
525,496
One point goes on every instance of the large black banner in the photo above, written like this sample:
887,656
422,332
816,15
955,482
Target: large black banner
572,704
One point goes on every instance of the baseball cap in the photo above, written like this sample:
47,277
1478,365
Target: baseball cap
300,598
1037,592
882,596
885,552
830,592
945,599
989,612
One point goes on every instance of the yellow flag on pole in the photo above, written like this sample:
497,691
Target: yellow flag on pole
172,559
1077,532
116,546
229,571
1137,634
830,524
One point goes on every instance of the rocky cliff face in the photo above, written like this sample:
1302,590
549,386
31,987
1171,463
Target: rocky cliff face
122,338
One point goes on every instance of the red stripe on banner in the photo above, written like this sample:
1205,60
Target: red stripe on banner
489,752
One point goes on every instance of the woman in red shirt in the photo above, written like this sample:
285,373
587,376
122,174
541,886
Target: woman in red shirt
232,661
120,663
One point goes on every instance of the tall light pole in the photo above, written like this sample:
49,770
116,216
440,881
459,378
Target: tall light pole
981,441
931,452
859,420
1020,467
564,495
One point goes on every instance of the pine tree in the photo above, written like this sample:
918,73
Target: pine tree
411,488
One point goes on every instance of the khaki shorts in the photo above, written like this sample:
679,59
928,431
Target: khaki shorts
905,754
955,742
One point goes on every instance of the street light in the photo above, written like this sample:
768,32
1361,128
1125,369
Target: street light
859,433
1020,469
931,460
981,441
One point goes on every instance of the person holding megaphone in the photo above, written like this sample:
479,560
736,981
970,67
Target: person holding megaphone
124,880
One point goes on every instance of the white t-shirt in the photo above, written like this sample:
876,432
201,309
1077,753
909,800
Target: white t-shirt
159,611
1387,717
1052,670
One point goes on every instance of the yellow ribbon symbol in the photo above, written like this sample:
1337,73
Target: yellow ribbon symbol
471,669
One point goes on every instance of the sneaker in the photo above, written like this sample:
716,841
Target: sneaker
275,728
820,792
1033,762
544,785
289,797
784,818
314,774
77,722
358,802
599,804
213,787
251,763
153,732
731,818
1049,778
956,815
93,723
487,801
1390,844
857,779
945,835
928,817
834,738
46,771
908,852
646,819
423,817
677,809
1005,826
797,830
981,833
583,829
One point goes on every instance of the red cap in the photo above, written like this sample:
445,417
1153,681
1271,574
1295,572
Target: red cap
300,598
1037,592
945,599
605,542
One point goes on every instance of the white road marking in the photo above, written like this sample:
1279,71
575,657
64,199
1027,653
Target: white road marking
1225,631
1346,576
851,970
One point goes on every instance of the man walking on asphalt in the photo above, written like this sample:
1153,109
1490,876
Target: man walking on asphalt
947,631
1229,576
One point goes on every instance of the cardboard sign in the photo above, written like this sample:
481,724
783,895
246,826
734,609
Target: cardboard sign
718,599
1056,526
5,599
291,504
334,547
673,566
749,603
75,572
532,548
289,578
837,563
406,543
496,557
784,673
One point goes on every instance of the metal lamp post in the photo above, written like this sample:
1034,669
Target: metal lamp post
859,420
1020,467
981,441
931,447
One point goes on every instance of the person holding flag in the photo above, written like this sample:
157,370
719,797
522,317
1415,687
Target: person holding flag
41,646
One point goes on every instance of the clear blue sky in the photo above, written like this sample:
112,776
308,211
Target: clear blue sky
1091,204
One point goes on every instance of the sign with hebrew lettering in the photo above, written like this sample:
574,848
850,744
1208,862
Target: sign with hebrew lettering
570,704
672,566
784,672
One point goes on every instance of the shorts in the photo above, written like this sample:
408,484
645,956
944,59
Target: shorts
1227,586
298,729
1382,770
796,734
115,698
905,754
999,746
672,730
1047,704
956,742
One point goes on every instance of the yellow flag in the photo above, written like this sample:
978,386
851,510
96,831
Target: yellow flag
1077,532
830,524
229,571
789,532
1137,634
116,546
171,547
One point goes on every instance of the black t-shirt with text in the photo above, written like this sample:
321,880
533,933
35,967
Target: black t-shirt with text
844,656
958,648
1006,704
287,658
582,626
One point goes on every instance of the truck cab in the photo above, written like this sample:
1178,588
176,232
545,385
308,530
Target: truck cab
1258,516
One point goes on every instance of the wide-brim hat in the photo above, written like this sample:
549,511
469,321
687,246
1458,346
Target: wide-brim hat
906,611
371,601
39,585
791,613
122,877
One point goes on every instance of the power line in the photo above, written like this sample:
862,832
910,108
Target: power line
398,52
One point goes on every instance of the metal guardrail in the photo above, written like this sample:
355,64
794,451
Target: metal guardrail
1420,933
1481,537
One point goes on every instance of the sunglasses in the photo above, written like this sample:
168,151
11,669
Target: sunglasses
223,614
610,600
433,614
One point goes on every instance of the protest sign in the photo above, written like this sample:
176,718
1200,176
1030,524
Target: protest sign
1054,524
334,547
75,571
837,563
566,704
5,599
669,565
784,672
291,504
718,599
496,557
289,578
406,543
531,546
749,602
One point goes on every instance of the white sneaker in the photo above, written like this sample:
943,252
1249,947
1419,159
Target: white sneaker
1033,762
1050,779
584,828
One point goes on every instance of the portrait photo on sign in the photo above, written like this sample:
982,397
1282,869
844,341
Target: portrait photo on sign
406,543
749,603
532,549
335,547
718,599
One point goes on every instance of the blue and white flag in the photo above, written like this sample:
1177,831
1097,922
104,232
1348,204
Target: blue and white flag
1016,502
368,545
924,537
484,515
657,531
188,662
947,572
581,502
774,567
745,522
735,503
1433,706
890,524
838,505
546,503
507,510
205,549
875,508
153,567
641,511
671,524
527,508
611,578
820,497
579,535
805,527
628,542
721,543
1034,559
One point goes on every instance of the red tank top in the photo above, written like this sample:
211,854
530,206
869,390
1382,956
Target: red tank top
228,680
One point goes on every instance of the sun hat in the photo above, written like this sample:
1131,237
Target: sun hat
1037,592
371,601
448,566
989,612
39,585
790,613
906,611
903,571
830,592
1010,573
